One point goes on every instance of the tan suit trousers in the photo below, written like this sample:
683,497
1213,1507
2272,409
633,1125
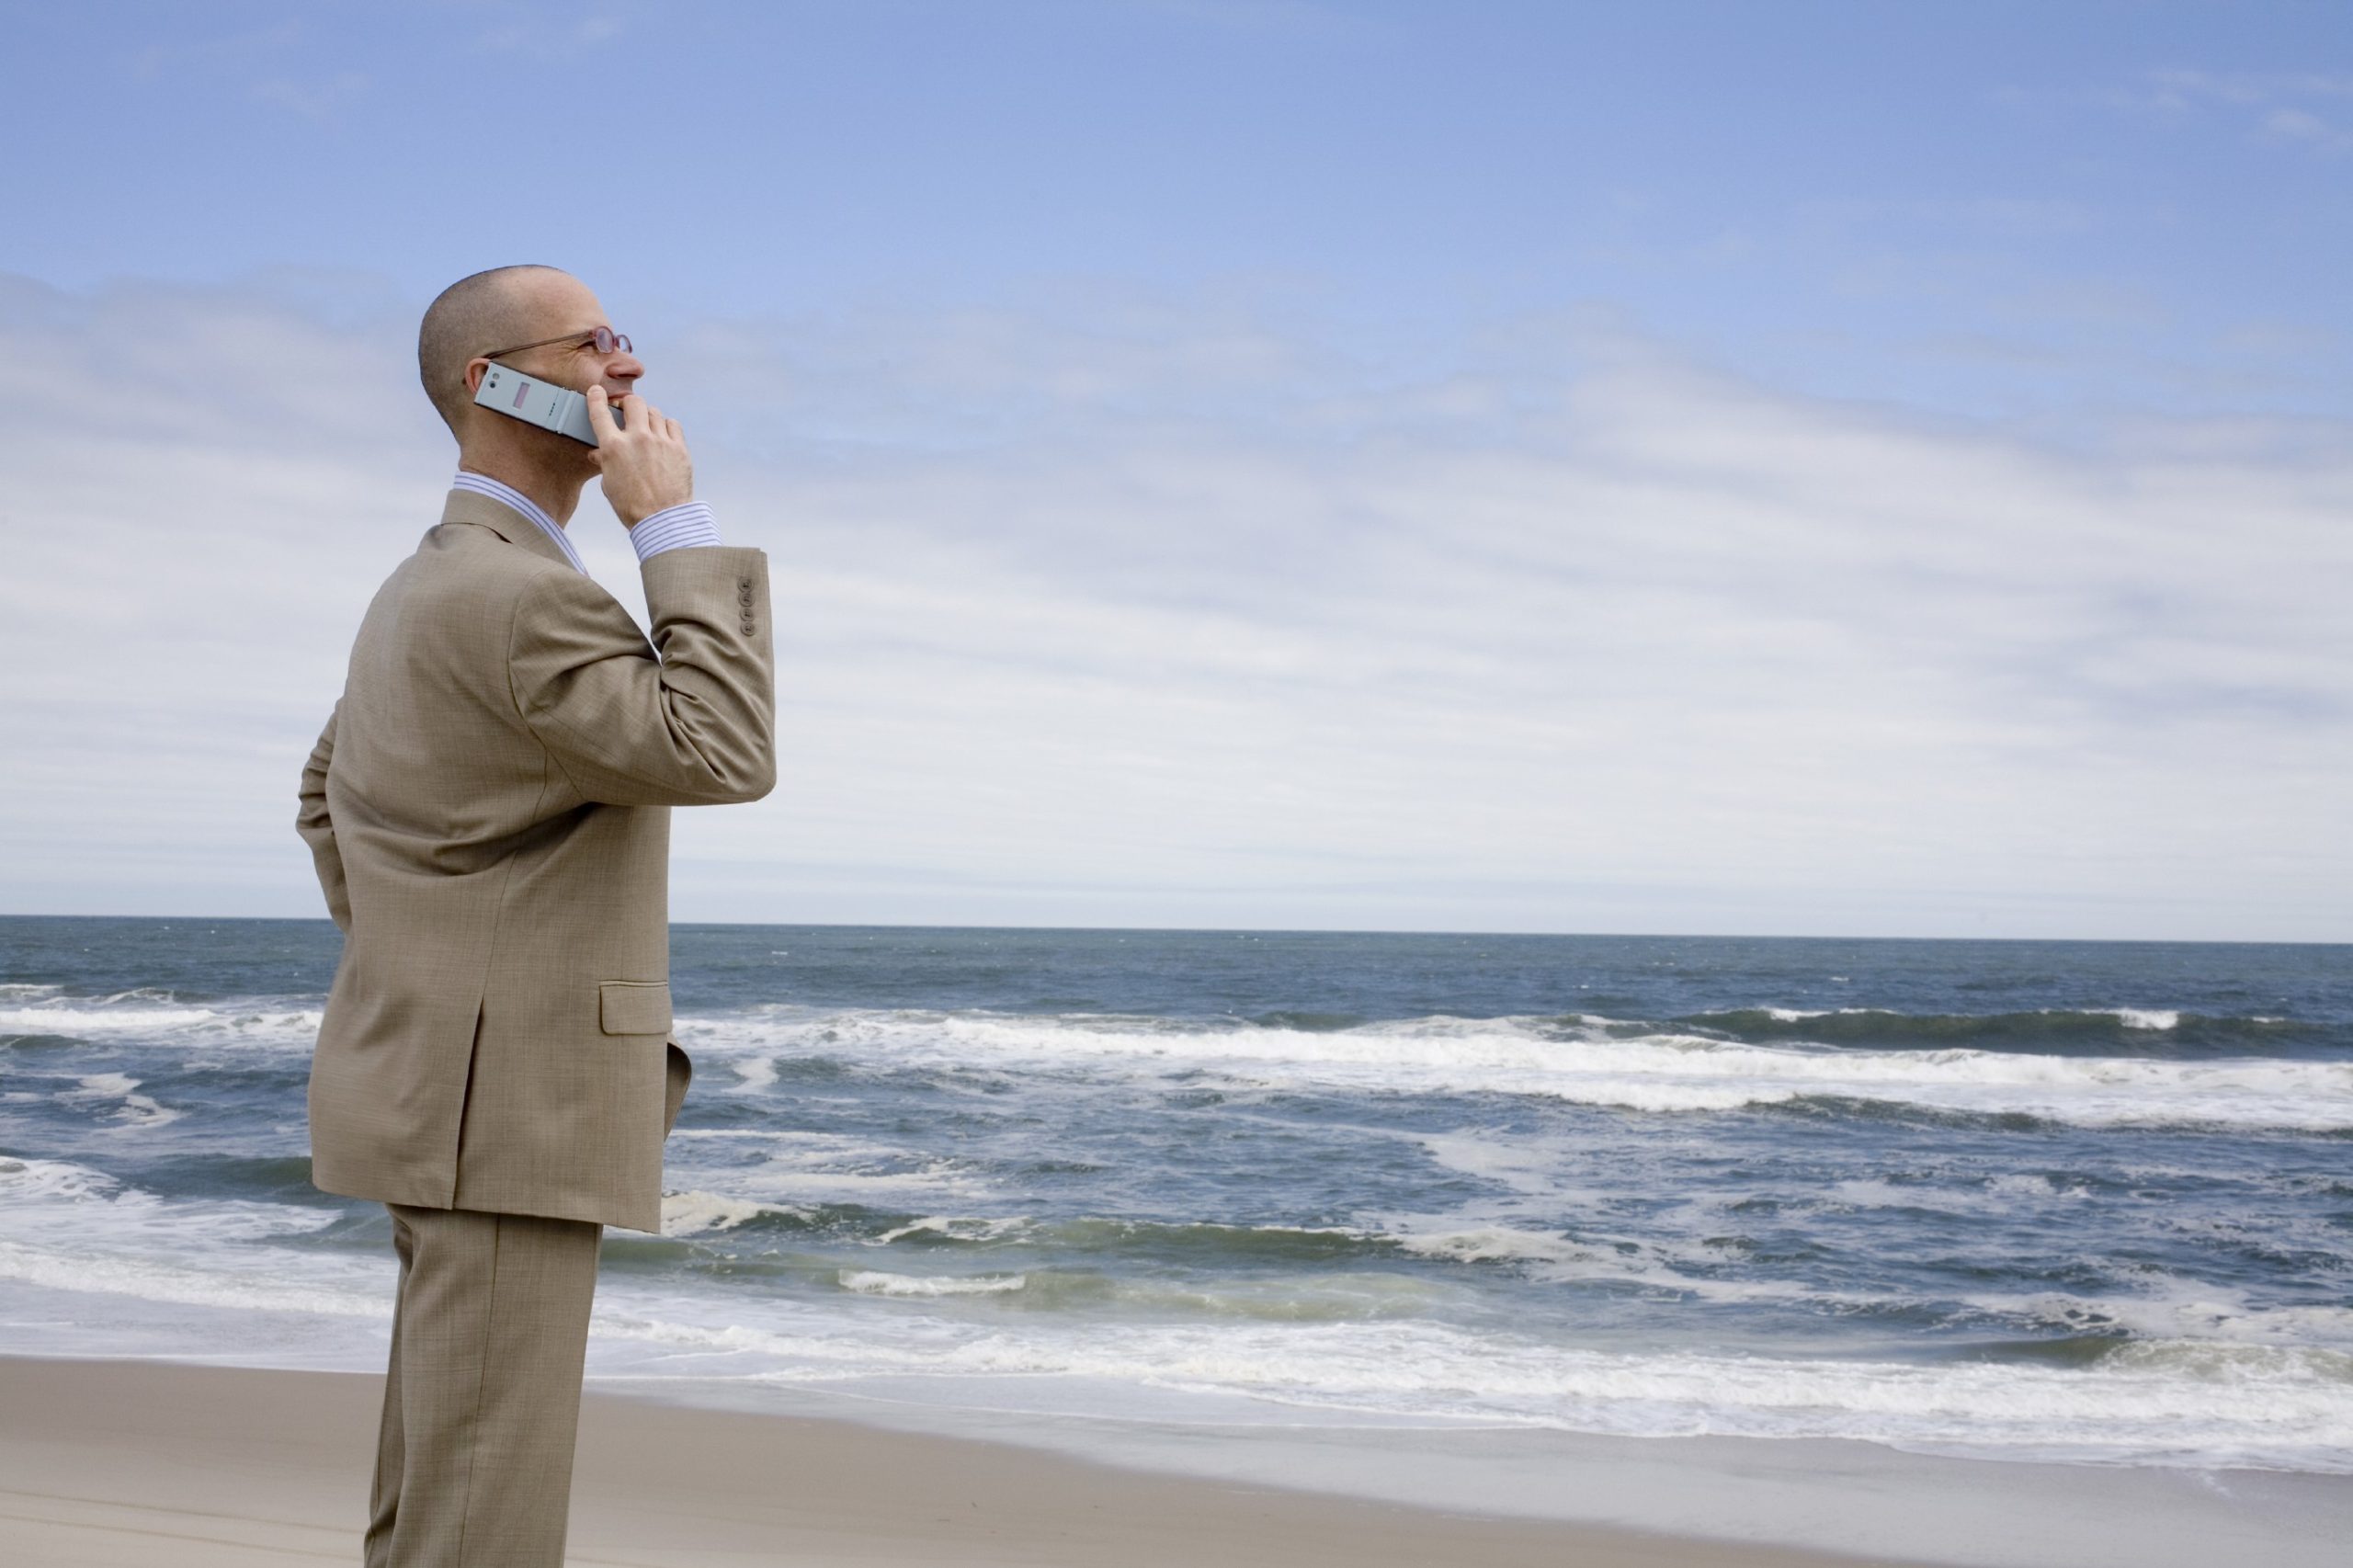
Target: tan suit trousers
482,1396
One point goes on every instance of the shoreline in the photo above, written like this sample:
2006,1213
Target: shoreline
130,1463
122,1462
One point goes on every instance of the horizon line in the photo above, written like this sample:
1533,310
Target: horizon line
1326,931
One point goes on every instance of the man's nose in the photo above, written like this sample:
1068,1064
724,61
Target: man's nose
624,368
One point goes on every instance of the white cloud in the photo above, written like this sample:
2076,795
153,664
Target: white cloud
2278,104
2307,129
556,34
1139,613
321,99
2177,87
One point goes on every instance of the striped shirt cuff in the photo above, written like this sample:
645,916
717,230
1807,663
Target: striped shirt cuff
675,527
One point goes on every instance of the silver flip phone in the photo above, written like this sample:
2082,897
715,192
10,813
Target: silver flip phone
535,401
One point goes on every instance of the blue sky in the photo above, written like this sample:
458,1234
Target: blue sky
1854,468
1795,186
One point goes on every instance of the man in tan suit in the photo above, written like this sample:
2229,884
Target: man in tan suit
488,808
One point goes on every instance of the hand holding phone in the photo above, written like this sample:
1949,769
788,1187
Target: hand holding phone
642,457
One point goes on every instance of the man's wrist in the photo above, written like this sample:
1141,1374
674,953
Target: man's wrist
682,527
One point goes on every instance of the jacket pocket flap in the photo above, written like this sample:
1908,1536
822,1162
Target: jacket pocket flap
633,1006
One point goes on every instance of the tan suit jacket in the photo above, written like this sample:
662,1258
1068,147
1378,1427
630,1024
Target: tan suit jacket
489,809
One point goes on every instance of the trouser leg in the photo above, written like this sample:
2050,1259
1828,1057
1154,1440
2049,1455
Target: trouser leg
384,1485
491,1332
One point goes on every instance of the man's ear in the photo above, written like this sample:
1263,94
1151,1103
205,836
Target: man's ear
476,368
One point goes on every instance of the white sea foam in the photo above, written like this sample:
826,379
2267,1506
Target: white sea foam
1666,1071
1525,1164
875,1282
697,1213
2183,1313
2168,1402
78,1204
2131,1018
755,1072
1950,1192
960,1228
135,1014
1684,1267
933,1180
1995,1194
70,1227
24,1183
1496,1242
189,1283
2222,1380
136,1109
803,1167
71,1019
2174,1402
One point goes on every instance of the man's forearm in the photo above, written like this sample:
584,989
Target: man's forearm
317,828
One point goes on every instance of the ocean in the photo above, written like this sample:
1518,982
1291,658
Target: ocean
2084,1203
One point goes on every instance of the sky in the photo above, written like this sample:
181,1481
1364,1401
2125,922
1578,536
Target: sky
1794,469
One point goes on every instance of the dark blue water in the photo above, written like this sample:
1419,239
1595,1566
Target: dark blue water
2082,1200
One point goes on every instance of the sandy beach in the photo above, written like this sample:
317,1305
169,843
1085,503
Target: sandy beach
128,1464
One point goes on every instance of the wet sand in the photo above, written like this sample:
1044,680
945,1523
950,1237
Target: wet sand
151,1464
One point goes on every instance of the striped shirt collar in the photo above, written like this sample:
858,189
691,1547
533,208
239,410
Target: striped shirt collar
483,485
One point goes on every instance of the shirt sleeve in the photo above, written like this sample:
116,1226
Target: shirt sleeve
683,526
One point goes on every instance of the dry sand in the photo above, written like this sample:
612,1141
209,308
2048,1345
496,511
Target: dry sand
149,1464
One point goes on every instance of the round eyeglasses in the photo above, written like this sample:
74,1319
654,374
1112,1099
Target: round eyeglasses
604,338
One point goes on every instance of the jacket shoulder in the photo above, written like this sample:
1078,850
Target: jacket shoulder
463,563
456,597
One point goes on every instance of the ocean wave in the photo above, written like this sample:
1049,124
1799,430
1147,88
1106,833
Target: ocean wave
972,1228
1098,1296
2183,1403
1334,1272
68,1226
147,1013
135,1111
875,1282
705,1213
24,1183
2179,1313
2198,1376
1207,1243
42,1199
180,1281
2196,1402
1496,1242
2126,1030
1583,1061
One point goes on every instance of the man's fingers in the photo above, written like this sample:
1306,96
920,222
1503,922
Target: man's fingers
600,418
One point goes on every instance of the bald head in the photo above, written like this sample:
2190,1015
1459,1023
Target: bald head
490,310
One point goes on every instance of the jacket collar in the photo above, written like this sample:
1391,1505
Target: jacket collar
467,507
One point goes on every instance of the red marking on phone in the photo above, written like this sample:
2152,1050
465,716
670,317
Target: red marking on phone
520,392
